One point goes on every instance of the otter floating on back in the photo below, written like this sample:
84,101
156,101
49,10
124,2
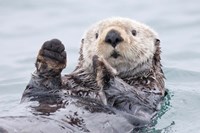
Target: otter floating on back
119,71
130,53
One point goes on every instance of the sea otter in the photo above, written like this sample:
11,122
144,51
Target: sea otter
119,69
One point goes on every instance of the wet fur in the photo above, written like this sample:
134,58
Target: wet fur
133,83
139,64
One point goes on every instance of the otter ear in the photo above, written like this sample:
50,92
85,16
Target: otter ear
82,40
156,57
157,42
80,59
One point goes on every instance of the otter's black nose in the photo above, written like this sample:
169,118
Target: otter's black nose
113,38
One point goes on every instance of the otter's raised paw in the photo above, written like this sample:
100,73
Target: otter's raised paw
54,50
51,57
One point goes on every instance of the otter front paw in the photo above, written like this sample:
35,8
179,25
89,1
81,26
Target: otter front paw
51,57
103,71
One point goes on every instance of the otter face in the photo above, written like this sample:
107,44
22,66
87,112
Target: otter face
122,42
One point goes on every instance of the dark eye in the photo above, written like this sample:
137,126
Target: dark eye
134,32
96,35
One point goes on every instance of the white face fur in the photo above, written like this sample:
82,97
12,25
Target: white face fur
137,45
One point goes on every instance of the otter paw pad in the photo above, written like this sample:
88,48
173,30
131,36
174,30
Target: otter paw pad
53,50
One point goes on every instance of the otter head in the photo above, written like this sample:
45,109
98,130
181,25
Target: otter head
125,44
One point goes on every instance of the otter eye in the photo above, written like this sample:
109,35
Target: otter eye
134,32
96,35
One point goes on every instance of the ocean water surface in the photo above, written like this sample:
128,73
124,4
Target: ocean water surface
26,24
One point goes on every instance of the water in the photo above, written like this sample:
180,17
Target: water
26,24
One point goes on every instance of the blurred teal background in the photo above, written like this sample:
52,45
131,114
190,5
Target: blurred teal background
26,24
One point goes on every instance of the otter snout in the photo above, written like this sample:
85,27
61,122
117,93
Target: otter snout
113,38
